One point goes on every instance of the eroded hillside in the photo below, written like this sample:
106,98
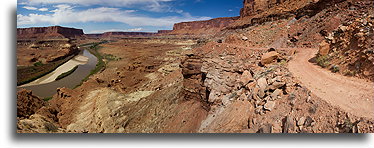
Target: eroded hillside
256,74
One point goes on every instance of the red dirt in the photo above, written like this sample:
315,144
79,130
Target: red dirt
353,95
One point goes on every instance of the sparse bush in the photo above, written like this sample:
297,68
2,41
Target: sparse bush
323,61
233,95
39,63
47,98
349,73
283,62
335,69
50,127
111,57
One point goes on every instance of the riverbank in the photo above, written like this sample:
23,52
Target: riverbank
28,74
47,73
69,81
77,60
93,49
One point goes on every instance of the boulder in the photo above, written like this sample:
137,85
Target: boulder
301,121
267,128
269,57
288,125
262,83
276,93
343,28
324,48
276,85
269,105
246,78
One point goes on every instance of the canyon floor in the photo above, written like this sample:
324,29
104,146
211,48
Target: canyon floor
162,86
303,69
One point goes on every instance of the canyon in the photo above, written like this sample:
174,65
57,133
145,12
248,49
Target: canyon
282,66
48,32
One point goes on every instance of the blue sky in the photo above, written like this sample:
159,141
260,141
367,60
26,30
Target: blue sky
97,16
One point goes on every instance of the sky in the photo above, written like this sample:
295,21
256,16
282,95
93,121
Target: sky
98,16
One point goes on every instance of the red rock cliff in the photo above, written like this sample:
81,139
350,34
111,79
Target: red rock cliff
253,7
48,32
127,34
164,31
202,27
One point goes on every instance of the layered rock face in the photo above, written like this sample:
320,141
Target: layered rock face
127,34
252,7
35,115
202,27
349,48
48,32
164,31
98,35
27,103
120,34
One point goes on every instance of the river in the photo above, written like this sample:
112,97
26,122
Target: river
70,81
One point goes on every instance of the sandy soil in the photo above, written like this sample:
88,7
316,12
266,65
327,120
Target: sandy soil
77,60
355,96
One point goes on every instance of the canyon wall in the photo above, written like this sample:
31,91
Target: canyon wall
120,35
48,32
97,35
252,7
127,34
202,27
164,31
255,7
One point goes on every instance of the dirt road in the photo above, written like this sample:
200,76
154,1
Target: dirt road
353,95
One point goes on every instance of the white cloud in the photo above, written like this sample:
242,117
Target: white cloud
134,29
34,8
150,5
117,30
66,14
43,9
30,8
130,11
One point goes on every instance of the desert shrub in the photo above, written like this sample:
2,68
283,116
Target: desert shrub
323,61
283,62
233,95
111,57
349,73
335,69
47,98
39,63
50,127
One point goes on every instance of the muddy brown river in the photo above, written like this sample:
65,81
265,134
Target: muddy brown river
74,79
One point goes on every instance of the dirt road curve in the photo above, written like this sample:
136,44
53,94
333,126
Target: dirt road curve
353,95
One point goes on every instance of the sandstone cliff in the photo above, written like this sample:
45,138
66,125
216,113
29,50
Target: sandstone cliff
164,31
253,7
202,27
127,34
120,34
97,35
48,32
